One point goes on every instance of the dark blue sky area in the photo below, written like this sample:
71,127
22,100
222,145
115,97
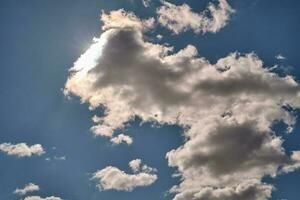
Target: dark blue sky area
40,40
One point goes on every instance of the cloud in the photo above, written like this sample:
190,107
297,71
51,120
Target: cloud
41,198
295,164
135,165
280,57
121,138
60,158
227,109
120,18
113,178
181,18
245,191
107,131
22,149
146,3
30,187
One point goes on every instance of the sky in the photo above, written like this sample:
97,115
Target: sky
133,99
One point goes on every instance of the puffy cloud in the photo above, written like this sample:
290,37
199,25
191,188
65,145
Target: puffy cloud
113,178
227,109
107,131
30,187
295,164
121,138
181,18
42,198
22,149
135,165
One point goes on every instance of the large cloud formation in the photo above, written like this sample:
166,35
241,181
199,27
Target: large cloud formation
22,149
113,178
227,108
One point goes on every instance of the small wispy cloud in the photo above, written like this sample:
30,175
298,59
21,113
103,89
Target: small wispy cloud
280,57
28,188
113,178
146,3
122,138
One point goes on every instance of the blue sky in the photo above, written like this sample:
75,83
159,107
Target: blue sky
40,41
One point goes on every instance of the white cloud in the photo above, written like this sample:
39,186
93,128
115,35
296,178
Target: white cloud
120,18
30,187
121,138
280,57
113,178
295,163
246,191
180,18
135,165
22,149
228,109
42,198
146,3
60,157
159,37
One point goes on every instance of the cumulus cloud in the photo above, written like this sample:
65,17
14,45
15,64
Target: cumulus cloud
135,165
295,164
22,149
113,178
30,187
180,18
107,131
121,138
227,109
42,198
59,158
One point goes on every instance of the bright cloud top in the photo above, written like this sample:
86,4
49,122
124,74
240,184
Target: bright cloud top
228,109
181,18
30,187
113,178
22,149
